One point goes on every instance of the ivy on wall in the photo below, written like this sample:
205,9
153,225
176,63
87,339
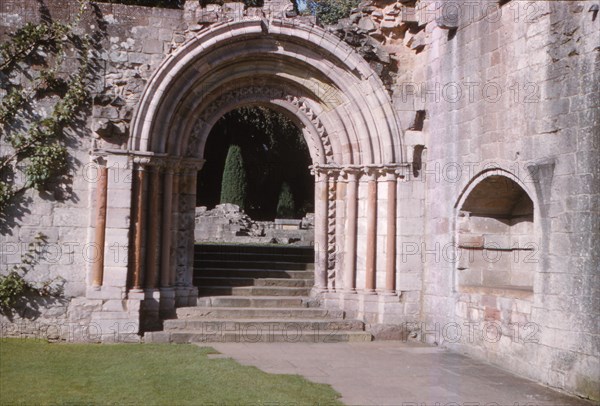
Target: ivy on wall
43,96
14,287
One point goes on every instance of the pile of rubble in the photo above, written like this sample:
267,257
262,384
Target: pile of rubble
228,223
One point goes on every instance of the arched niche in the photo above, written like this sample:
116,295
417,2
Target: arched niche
496,237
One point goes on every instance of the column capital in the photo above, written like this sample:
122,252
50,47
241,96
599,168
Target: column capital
351,174
395,172
191,164
372,171
144,158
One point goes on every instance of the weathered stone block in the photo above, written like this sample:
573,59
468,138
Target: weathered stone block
470,240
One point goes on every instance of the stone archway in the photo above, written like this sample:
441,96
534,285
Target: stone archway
347,120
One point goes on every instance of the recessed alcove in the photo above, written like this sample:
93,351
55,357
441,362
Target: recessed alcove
495,237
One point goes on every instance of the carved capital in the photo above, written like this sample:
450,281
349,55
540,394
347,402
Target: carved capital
191,164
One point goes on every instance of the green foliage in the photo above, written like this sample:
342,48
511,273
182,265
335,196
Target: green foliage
176,3
14,286
274,150
148,3
285,205
247,3
330,11
34,62
234,184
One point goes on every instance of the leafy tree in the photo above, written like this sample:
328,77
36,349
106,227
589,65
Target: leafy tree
234,185
148,3
328,11
274,150
285,204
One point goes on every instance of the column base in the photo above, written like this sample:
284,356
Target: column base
186,296
105,292
166,307
150,314
372,308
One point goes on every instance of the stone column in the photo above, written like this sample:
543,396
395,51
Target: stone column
165,254
350,237
174,226
340,213
390,256
167,293
139,228
321,194
186,292
117,268
100,227
331,229
152,249
371,264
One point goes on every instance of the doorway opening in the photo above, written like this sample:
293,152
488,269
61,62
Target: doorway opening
275,159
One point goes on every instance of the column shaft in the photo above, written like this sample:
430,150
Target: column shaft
138,262
350,237
174,230
340,213
152,248
390,258
165,255
100,231
370,277
321,194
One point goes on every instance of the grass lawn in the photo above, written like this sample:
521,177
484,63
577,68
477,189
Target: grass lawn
36,372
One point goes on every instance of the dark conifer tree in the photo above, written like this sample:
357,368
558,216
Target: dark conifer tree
234,185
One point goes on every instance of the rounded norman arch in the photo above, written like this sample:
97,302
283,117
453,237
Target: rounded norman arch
325,87
317,77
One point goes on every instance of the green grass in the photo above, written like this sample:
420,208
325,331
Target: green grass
36,372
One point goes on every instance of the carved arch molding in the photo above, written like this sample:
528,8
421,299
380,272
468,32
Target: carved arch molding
319,82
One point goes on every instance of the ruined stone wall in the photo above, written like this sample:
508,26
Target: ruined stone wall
515,88
132,42
479,90
227,223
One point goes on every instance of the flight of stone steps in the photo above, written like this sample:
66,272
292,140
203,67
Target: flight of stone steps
256,293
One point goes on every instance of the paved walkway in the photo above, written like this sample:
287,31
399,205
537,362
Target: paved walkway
396,373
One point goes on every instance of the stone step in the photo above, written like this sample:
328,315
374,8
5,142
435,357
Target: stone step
254,249
256,326
252,257
184,337
253,301
236,281
252,273
252,291
257,312
269,265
